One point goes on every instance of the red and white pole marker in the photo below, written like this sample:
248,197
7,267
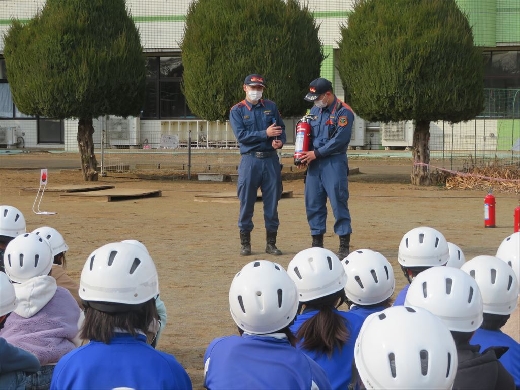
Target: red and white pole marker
44,177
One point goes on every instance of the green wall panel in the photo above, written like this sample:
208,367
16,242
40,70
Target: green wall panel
482,15
508,133
327,66
508,15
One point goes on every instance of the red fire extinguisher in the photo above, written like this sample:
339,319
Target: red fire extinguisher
517,219
489,210
303,138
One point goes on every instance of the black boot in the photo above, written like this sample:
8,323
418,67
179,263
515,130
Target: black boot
344,246
271,244
317,240
245,241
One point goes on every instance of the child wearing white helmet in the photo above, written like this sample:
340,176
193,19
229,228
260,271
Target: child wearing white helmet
456,256
263,302
118,286
12,223
16,363
370,282
324,333
454,296
499,289
47,319
420,248
509,251
59,248
405,348
159,304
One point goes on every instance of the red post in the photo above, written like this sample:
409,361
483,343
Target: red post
517,220
489,210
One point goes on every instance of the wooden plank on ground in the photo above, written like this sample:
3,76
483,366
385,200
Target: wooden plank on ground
73,188
231,196
115,194
213,177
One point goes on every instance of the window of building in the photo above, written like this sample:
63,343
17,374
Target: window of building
7,107
502,84
51,131
164,97
502,69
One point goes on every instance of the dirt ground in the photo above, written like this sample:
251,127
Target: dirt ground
195,245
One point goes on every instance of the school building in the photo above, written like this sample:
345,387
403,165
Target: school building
165,114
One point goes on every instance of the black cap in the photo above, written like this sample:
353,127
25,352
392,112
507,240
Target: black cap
254,79
318,87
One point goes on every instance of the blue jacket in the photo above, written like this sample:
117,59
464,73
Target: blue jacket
14,359
259,362
401,297
250,122
364,312
496,338
339,366
127,361
331,128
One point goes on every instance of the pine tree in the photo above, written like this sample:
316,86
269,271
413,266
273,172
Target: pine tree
411,60
77,59
225,40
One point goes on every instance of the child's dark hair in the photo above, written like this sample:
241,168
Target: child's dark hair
60,259
386,303
412,272
461,338
287,331
326,330
494,321
101,318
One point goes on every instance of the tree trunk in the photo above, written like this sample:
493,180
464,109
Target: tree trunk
86,150
421,154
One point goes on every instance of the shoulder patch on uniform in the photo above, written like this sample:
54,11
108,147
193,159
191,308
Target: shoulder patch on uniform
342,120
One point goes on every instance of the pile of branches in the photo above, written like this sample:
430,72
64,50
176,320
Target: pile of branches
500,178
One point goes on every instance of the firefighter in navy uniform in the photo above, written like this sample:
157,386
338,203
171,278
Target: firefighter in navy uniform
327,165
260,131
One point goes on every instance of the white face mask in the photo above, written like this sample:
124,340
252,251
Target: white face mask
254,96
320,103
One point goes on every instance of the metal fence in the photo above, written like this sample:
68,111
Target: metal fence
200,146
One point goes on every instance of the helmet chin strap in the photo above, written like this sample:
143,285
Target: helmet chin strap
154,328
407,273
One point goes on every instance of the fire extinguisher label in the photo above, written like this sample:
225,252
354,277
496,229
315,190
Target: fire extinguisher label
298,144
486,212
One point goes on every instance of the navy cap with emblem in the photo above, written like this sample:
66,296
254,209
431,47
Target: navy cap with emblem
254,79
318,87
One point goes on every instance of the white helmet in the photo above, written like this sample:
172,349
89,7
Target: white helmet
317,273
423,247
450,294
497,283
262,298
138,243
58,244
370,277
457,257
405,348
27,256
509,251
7,295
12,221
119,273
